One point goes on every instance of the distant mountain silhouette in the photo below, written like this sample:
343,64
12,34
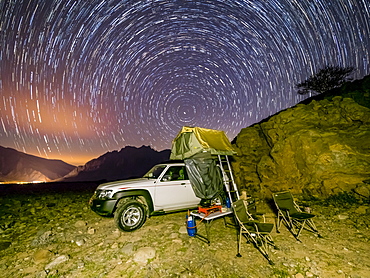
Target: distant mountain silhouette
129,162
17,166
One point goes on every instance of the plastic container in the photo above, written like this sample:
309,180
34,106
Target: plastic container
191,225
228,203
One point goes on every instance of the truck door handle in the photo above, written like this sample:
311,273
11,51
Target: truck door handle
183,183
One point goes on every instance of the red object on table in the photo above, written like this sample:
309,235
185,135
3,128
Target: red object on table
209,210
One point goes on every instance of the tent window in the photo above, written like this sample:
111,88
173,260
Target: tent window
182,146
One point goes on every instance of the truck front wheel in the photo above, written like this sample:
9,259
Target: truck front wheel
130,215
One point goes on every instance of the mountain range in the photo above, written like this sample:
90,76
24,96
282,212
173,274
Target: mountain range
129,162
17,166
332,111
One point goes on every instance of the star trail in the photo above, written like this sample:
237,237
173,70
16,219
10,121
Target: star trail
80,78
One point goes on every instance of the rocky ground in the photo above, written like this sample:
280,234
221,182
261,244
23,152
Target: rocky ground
54,234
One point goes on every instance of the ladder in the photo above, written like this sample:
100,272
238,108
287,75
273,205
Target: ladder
228,178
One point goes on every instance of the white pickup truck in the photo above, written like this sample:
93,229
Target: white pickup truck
165,188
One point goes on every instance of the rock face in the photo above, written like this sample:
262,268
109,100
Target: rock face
321,148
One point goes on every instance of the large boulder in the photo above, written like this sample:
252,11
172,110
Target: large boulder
319,149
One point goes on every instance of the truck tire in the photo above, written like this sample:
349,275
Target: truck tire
130,215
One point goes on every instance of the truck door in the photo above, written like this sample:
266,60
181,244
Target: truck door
174,191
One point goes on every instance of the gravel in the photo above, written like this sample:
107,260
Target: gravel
55,234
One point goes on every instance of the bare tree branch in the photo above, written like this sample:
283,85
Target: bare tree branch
328,78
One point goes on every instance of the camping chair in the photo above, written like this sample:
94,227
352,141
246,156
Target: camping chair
255,232
292,216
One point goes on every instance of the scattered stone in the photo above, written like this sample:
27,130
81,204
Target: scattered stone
183,230
42,274
177,241
143,254
57,261
80,264
80,224
115,234
41,256
79,241
299,275
174,235
128,248
171,253
342,216
44,238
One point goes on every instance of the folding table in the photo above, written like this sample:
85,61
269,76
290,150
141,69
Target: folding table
208,221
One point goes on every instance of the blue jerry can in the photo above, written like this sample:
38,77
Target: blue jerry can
191,225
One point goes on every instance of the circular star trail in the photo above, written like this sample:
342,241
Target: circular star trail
80,78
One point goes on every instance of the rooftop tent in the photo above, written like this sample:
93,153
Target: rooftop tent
197,147
194,140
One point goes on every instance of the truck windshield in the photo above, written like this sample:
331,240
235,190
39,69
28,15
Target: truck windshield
155,172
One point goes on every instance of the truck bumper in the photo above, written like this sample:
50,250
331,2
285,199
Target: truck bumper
102,207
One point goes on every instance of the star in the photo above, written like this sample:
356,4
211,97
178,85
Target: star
80,78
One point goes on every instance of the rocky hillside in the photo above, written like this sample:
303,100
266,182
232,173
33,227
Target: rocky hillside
17,166
129,162
320,149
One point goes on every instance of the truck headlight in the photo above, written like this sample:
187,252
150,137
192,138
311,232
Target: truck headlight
104,194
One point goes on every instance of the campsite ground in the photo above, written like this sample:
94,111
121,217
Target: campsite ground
54,234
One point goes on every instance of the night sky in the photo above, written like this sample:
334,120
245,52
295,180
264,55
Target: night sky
80,78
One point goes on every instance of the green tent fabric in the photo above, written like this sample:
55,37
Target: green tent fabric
197,147
194,140
205,176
